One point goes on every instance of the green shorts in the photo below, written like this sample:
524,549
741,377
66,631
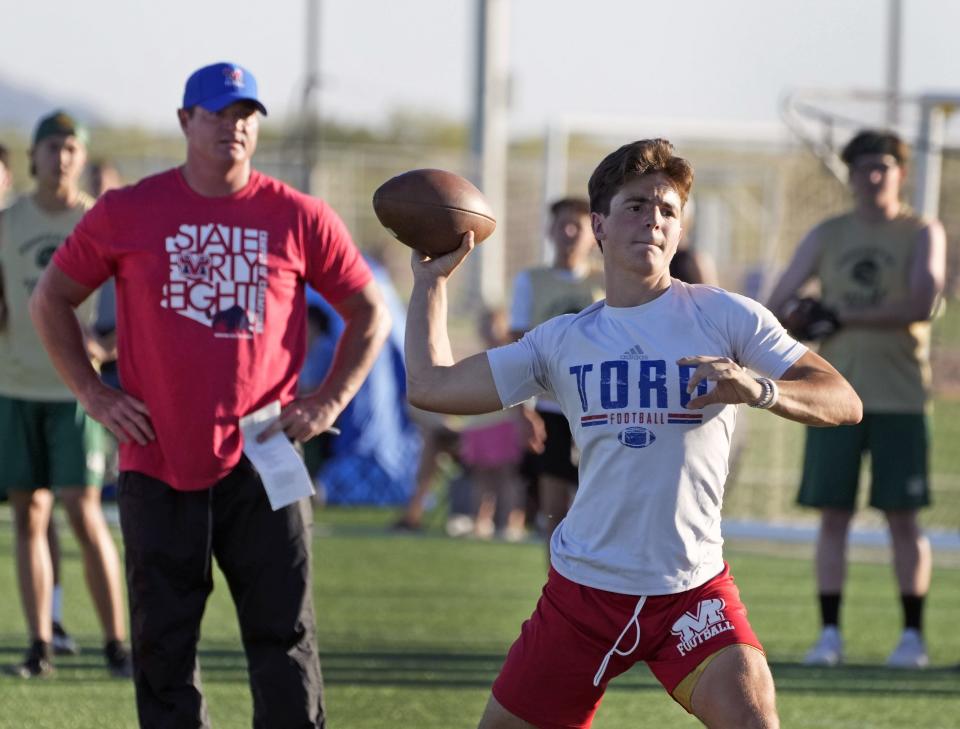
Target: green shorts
48,445
898,448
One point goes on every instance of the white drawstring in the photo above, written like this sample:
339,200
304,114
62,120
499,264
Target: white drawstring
634,622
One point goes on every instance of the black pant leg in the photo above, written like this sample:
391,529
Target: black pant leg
266,558
166,536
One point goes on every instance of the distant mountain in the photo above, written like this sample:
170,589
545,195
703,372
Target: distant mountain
20,107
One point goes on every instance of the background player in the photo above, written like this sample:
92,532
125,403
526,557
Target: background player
568,285
881,270
48,441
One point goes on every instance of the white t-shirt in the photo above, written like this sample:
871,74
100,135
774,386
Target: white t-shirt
646,517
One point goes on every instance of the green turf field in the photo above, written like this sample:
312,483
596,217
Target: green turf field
413,630
764,478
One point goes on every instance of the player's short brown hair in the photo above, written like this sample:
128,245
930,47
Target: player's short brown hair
870,141
576,205
643,157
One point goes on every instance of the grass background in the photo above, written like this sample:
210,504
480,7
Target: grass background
764,478
764,475
413,630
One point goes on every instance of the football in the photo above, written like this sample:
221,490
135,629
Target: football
430,210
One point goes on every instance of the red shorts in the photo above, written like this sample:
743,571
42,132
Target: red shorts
579,638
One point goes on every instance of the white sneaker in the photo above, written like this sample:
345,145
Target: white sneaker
910,651
512,534
459,525
828,651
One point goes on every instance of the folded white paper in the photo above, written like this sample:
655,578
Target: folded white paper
281,468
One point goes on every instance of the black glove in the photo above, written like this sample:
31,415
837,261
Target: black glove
808,320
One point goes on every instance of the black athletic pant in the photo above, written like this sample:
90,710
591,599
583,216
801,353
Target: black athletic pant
170,538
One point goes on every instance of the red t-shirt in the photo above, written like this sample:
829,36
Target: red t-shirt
211,312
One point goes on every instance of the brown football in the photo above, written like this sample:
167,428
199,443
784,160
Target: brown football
430,210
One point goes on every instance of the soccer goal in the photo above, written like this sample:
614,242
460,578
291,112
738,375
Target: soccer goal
823,120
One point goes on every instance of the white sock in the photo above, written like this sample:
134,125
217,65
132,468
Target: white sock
57,604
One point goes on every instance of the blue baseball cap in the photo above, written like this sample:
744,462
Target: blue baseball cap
220,84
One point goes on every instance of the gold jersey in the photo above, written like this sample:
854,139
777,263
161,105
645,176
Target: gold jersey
553,294
864,265
28,238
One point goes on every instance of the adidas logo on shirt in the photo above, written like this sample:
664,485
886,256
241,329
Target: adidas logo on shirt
635,352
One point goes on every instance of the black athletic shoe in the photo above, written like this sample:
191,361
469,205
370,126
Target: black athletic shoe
405,525
63,642
118,659
36,664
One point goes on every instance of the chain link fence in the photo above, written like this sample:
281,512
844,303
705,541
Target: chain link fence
752,205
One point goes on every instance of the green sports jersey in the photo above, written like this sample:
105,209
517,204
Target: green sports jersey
28,238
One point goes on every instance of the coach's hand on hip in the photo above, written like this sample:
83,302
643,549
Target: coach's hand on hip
125,416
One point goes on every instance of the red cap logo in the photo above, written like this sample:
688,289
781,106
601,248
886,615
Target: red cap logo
233,77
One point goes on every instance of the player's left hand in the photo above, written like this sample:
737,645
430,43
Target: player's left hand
734,383
303,419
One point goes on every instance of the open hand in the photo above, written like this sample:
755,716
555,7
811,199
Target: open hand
734,383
